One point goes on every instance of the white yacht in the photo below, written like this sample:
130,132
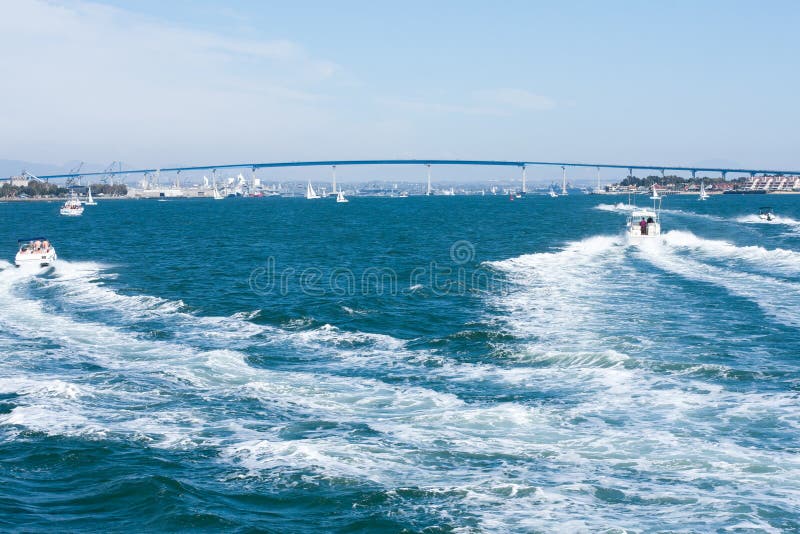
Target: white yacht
35,252
340,197
72,207
645,223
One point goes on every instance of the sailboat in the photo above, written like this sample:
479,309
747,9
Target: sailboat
90,201
340,197
703,194
217,194
311,194
655,193
552,193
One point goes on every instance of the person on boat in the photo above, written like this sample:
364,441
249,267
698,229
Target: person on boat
650,220
46,245
643,227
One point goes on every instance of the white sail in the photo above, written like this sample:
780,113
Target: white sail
310,193
90,201
217,195
340,197
703,194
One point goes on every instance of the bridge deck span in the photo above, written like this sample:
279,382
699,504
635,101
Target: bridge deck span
496,163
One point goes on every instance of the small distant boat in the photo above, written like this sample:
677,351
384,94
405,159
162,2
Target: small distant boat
765,213
217,194
655,196
35,252
90,201
72,207
310,193
552,193
703,194
340,197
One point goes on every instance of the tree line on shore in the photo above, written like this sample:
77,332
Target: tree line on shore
677,181
36,189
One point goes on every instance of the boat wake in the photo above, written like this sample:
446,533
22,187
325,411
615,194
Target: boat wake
777,219
619,207
586,426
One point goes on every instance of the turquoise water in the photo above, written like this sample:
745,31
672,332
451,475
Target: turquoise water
445,364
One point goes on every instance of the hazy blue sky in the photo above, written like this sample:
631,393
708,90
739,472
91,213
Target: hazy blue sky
157,83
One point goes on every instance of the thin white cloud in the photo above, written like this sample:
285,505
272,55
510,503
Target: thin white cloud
493,102
423,106
519,99
89,81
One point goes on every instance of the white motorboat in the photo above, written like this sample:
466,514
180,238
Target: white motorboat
340,197
310,193
90,201
703,194
765,213
35,252
72,207
644,223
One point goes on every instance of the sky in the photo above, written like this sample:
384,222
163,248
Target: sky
155,83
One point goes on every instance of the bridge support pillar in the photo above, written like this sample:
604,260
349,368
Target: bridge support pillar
429,191
524,185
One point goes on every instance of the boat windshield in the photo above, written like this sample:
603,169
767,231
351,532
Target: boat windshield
645,214
33,244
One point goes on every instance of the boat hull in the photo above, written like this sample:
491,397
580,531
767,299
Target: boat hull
653,230
35,260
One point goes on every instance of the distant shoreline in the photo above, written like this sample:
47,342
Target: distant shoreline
56,199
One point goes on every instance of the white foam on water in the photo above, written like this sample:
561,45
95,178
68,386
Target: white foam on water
47,388
760,289
619,207
557,297
78,286
776,260
493,461
692,214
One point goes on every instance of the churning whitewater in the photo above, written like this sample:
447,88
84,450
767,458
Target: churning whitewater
511,368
